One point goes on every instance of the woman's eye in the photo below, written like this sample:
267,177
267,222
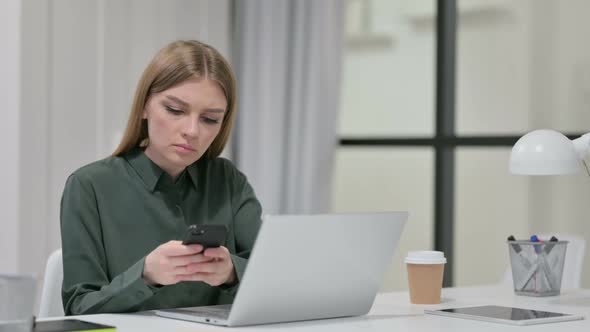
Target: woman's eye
210,120
174,110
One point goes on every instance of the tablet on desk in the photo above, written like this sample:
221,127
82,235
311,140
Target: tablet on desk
505,315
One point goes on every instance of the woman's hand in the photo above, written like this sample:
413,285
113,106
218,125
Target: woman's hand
218,270
172,262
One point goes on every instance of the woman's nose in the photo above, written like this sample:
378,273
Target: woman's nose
191,128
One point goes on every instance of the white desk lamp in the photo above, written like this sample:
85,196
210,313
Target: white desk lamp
548,152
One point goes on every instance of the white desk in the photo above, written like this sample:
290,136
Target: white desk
392,312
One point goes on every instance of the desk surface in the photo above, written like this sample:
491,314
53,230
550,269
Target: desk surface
393,312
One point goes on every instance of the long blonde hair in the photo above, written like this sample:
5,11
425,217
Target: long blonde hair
175,63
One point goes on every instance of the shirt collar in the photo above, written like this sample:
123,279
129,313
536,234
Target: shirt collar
147,170
193,171
150,173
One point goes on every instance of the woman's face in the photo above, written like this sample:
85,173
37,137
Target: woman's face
182,123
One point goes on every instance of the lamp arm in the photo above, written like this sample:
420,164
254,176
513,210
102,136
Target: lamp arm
582,146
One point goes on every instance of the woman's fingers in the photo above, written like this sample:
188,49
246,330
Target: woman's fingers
176,248
214,273
173,262
208,278
210,267
207,267
160,263
219,252
188,259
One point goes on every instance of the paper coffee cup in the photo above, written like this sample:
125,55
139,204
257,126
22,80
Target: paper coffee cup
425,276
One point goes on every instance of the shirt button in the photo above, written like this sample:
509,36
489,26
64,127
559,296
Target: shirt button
139,294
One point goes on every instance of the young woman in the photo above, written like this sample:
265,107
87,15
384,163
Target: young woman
122,217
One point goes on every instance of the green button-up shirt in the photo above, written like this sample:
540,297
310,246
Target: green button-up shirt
115,211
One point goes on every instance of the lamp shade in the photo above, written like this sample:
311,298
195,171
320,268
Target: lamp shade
544,152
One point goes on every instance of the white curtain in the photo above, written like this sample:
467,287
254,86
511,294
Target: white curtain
288,56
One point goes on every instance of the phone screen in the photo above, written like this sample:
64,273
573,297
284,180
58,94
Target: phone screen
508,313
209,236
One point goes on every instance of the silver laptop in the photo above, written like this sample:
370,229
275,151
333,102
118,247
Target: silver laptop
305,267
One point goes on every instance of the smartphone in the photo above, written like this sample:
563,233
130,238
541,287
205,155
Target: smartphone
209,236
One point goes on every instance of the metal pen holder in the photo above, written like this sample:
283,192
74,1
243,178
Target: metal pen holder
537,267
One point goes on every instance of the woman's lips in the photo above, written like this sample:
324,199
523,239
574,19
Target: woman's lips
184,148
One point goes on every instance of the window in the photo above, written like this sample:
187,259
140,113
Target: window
388,96
434,95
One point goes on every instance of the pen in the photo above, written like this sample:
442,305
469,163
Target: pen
546,272
552,261
534,238
549,247
524,267
515,246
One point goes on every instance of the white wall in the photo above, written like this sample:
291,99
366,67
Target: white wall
33,202
80,62
9,131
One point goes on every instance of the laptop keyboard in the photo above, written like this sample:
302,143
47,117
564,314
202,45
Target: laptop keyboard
216,311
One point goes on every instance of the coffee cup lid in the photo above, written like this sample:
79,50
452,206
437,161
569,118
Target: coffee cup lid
426,257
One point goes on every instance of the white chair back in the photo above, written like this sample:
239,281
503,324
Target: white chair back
51,303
